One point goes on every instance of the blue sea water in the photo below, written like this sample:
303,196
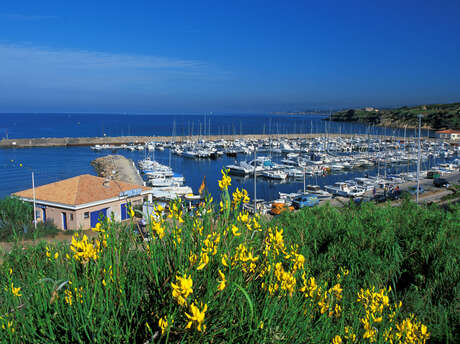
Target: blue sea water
91,125
53,164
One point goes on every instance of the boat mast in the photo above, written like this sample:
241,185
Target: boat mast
418,156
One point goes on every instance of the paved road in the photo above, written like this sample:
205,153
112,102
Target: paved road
431,194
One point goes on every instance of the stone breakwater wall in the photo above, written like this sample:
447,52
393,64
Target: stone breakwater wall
117,167
90,141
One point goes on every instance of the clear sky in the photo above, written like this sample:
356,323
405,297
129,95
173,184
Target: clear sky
226,56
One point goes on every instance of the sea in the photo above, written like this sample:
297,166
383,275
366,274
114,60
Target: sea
57,163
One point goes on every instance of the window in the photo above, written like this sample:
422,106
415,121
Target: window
86,215
38,213
71,217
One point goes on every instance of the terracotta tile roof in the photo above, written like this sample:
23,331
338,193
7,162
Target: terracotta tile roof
79,190
448,131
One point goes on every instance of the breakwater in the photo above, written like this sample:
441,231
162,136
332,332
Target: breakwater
120,140
117,167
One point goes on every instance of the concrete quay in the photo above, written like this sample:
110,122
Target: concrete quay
90,141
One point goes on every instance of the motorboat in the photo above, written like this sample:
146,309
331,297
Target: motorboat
345,190
316,190
274,174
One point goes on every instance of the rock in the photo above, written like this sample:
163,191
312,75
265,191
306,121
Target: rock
117,167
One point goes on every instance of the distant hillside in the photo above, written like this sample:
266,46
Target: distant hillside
436,116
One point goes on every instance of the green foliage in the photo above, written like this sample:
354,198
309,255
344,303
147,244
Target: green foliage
120,287
416,250
436,116
15,217
16,221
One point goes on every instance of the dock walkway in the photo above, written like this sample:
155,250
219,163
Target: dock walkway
120,140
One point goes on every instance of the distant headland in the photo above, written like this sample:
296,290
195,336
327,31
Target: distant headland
298,113
435,116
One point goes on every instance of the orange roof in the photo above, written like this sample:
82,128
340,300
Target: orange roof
448,131
79,190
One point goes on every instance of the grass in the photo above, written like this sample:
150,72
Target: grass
321,275
455,188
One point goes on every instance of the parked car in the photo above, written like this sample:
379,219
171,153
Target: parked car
440,182
395,195
380,198
278,208
360,200
306,200
432,175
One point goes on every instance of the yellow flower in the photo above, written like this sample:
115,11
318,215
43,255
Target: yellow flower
240,196
11,271
159,209
235,230
148,326
98,228
159,229
197,316
222,281
83,249
309,287
163,324
192,258
204,260
224,260
182,289
68,297
131,212
261,325
243,217
225,182
337,340
56,255
15,291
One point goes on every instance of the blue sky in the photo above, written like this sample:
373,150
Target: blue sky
226,56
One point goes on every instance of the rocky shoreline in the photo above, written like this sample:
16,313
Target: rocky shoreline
117,167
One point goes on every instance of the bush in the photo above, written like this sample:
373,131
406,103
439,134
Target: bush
16,217
16,221
322,275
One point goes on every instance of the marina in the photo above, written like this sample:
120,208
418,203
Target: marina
288,155
354,166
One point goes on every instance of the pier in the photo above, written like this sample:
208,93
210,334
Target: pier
120,140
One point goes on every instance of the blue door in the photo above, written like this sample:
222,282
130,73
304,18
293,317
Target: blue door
98,215
124,211
64,221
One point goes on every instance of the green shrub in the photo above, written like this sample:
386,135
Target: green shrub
320,275
16,217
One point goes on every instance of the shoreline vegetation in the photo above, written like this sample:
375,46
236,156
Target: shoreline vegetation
367,274
435,116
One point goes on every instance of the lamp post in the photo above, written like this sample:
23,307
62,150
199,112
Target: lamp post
304,180
255,185
33,194
35,207
418,156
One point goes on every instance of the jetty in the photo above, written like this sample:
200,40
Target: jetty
120,140
117,167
